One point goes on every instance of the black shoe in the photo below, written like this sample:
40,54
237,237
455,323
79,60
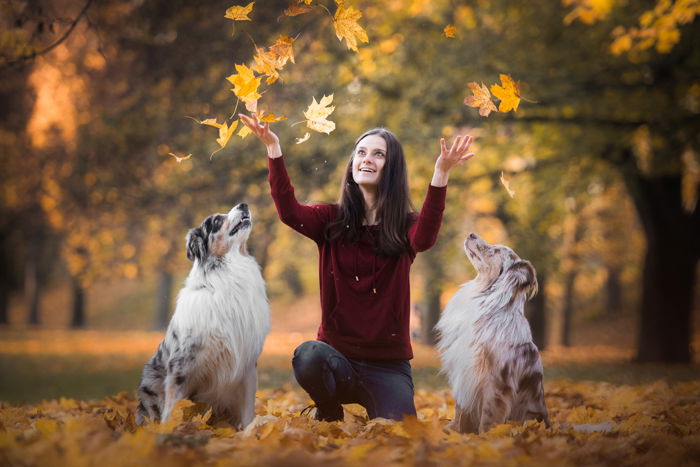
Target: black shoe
327,415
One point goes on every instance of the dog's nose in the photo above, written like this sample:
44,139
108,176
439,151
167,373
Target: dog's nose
243,207
472,236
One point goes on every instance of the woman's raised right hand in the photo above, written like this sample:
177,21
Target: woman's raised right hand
264,134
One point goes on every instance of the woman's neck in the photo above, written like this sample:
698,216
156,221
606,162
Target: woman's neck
370,197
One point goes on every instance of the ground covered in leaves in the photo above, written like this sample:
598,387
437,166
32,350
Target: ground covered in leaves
593,424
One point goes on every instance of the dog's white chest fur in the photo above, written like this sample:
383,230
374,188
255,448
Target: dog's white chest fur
226,311
468,325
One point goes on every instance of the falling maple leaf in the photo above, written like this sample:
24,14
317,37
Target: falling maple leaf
346,27
239,13
449,31
225,133
252,106
303,138
297,8
480,99
245,131
180,158
283,48
509,93
245,84
267,63
506,185
270,118
317,113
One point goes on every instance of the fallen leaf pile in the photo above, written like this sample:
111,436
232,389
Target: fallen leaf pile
592,424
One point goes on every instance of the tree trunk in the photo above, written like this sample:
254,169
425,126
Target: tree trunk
669,268
568,308
4,302
433,291
32,283
78,316
431,314
613,292
535,310
163,294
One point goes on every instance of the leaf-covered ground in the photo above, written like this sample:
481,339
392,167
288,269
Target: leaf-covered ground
593,424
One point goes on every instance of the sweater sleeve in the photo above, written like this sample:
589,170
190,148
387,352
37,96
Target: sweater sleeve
423,233
309,221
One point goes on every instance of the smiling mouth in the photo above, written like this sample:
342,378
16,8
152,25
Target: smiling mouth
366,170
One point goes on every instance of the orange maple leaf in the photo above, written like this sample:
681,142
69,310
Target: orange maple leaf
480,99
297,8
449,31
267,63
283,48
346,27
239,13
509,93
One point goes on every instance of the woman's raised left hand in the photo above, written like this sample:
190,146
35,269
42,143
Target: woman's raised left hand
451,157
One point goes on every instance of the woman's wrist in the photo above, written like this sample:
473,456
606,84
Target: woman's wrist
274,151
440,178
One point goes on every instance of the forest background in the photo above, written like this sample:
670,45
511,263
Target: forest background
602,154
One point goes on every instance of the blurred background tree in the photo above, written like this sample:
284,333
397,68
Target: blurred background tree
91,196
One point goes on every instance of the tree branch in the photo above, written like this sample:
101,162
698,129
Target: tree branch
33,55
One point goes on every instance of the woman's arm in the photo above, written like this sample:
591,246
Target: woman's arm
423,233
310,221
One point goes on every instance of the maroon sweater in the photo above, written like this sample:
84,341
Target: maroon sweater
365,297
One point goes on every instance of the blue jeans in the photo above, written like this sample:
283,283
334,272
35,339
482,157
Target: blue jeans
383,387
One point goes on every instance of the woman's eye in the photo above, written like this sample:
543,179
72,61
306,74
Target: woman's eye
379,154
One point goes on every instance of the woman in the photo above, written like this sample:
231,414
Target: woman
367,243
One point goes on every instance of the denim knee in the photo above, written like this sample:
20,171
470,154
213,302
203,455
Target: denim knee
309,360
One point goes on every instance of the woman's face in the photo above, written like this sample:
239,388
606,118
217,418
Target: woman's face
368,160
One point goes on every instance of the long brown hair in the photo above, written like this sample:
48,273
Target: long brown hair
394,206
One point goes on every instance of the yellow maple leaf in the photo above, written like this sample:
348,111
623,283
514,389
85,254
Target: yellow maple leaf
225,133
317,113
245,131
270,118
180,158
509,93
346,27
480,99
506,185
297,8
245,84
283,48
267,63
239,13
449,31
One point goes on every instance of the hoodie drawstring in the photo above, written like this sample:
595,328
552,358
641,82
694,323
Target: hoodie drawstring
374,271
374,274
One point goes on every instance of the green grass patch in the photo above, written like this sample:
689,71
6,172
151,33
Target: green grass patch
31,379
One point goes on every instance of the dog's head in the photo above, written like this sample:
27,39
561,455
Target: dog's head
498,263
220,234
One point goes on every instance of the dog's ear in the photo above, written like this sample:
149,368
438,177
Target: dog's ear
196,244
525,277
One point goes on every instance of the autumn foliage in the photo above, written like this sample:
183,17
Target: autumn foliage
593,424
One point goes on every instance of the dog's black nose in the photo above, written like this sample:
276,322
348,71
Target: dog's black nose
472,236
243,207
